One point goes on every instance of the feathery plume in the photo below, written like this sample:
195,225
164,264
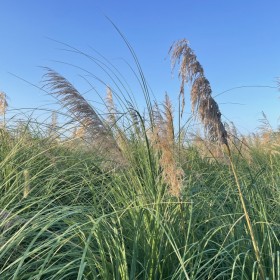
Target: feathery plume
100,137
111,107
208,110
192,72
3,108
79,132
162,139
3,103
54,120
53,126
168,114
189,67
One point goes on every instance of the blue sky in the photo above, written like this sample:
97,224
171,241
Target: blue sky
237,42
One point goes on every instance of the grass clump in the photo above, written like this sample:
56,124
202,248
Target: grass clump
126,197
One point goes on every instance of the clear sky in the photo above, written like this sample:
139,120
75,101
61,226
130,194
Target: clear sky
237,42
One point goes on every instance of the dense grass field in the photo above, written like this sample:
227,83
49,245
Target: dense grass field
133,198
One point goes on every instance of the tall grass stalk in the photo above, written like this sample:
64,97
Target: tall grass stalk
209,114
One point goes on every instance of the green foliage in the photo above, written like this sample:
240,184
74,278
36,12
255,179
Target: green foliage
77,221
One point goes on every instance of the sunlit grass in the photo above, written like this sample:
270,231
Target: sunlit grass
79,222
127,196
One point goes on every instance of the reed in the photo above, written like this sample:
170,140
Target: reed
191,71
168,212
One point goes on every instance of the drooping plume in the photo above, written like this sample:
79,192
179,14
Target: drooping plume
98,134
191,72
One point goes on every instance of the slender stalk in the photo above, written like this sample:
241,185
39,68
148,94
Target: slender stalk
179,123
247,217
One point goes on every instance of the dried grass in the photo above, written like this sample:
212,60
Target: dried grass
79,132
3,103
191,72
96,132
189,68
53,128
163,141
208,111
110,107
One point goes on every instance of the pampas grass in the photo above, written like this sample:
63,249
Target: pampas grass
78,219
53,127
71,99
163,140
3,103
98,135
191,71
110,107
166,212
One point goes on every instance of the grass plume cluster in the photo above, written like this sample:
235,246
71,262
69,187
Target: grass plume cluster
164,142
97,134
167,212
192,72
